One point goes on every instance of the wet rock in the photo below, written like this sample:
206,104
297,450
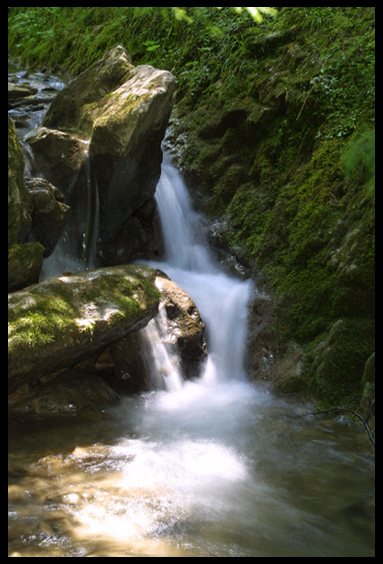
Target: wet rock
19,200
24,260
140,237
50,213
262,337
128,360
58,156
71,393
183,332
184,323
16,91
58,322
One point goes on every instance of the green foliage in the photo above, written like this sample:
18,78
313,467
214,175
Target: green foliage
73,38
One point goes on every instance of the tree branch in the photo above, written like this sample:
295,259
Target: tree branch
347,410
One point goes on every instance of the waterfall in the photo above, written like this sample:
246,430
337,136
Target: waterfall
93,214
221,299
76,248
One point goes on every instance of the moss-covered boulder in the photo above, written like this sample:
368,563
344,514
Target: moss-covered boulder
58,322
101,78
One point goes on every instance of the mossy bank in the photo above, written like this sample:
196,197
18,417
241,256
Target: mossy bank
274,131
291,181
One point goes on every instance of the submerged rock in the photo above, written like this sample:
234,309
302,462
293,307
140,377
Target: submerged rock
58,322
71,393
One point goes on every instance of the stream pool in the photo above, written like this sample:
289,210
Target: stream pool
216,471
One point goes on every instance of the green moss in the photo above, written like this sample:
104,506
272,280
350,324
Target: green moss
24,265
339,362
41,319
62,308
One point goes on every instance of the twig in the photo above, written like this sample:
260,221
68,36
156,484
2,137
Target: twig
370,435
304,103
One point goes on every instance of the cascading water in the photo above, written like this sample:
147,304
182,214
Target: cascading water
221,299
214,467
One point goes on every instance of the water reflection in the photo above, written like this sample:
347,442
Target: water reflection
162,478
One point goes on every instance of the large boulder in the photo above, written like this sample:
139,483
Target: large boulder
58,322
126,364
123,111
101,78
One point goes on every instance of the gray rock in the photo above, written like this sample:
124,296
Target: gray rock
49,212
58,156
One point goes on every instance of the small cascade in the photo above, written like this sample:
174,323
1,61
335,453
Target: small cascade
161,355
221,299
77,247
93,214
29,159
184,243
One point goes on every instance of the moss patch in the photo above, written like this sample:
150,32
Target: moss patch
24,265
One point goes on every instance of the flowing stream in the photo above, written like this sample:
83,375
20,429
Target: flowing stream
215,467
